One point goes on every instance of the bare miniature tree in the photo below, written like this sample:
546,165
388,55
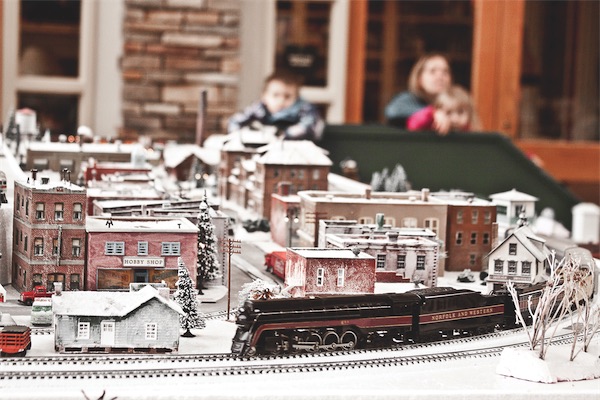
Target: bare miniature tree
566,286
258,290
585,320
185,296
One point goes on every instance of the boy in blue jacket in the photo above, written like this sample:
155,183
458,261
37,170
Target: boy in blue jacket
281,106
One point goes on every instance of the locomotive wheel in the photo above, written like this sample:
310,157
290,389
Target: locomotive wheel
316,338
349,340
330,340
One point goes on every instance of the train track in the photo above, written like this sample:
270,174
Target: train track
153,366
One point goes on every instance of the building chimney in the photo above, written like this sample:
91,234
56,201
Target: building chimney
425,194
34,174
368,194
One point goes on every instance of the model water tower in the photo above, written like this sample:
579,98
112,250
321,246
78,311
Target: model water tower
586,223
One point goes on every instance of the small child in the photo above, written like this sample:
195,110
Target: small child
281,106
452,110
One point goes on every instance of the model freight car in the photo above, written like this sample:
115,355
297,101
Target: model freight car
15,340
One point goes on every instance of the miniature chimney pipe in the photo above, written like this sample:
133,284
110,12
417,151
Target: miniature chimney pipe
425,194
368,194
34,174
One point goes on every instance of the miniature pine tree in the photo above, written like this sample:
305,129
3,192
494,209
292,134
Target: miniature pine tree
208,263
185,296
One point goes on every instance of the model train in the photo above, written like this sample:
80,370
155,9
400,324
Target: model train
291,325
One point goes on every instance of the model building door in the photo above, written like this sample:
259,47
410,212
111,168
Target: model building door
107,333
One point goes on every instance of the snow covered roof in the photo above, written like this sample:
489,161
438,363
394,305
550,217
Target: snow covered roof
294,152
329,253
107,304
139,224
177,153
513,195
526,237
59,185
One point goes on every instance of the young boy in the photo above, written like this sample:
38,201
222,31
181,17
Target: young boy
281,106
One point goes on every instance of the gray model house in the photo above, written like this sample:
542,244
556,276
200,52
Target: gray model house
142,321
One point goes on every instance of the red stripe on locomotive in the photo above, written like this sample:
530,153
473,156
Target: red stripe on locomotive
361,323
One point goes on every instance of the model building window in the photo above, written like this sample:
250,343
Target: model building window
37,279
421,262
512,249
519,208
474,216
55,246
409,222
27,207
401,263
340,277
472,259
487,217
171,249
300,174
76,247
502,210
320,276
40,164
38,246
58,211
459,217
275,172
151,331
292,173
486,238
316,174
498,266
52,278
391,221
77,209
365,220
25,244
380,261
18,201
40,210
142,248
512,267
83,330
114,248
473,237
433,224
459,238
526,267
74,285
16,237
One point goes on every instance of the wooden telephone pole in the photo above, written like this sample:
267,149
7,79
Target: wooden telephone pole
230,246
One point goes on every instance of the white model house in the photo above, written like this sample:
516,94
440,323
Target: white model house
521,258
90,321
509,206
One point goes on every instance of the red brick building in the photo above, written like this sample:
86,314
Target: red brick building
311,271
48,234
122,250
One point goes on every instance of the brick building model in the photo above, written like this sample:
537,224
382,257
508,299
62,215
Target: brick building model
48,234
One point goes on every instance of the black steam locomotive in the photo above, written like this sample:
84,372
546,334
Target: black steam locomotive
282,326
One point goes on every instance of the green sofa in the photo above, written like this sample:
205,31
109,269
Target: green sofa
482,163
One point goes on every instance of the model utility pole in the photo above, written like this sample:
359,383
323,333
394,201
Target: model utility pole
230,246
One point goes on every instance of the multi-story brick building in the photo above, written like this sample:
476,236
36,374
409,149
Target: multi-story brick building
471,230
401,254
122,250
301,163
406,209
48,234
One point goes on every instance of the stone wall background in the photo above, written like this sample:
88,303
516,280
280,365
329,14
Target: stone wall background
173,49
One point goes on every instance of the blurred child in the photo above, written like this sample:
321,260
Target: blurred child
429,77
452,110
281,106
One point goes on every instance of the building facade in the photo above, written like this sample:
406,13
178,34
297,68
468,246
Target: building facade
328,271
122,250
48,234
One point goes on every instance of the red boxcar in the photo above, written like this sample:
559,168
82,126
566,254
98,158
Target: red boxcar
275,263
15,340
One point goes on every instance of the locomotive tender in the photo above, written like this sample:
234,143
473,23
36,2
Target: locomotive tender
291,325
